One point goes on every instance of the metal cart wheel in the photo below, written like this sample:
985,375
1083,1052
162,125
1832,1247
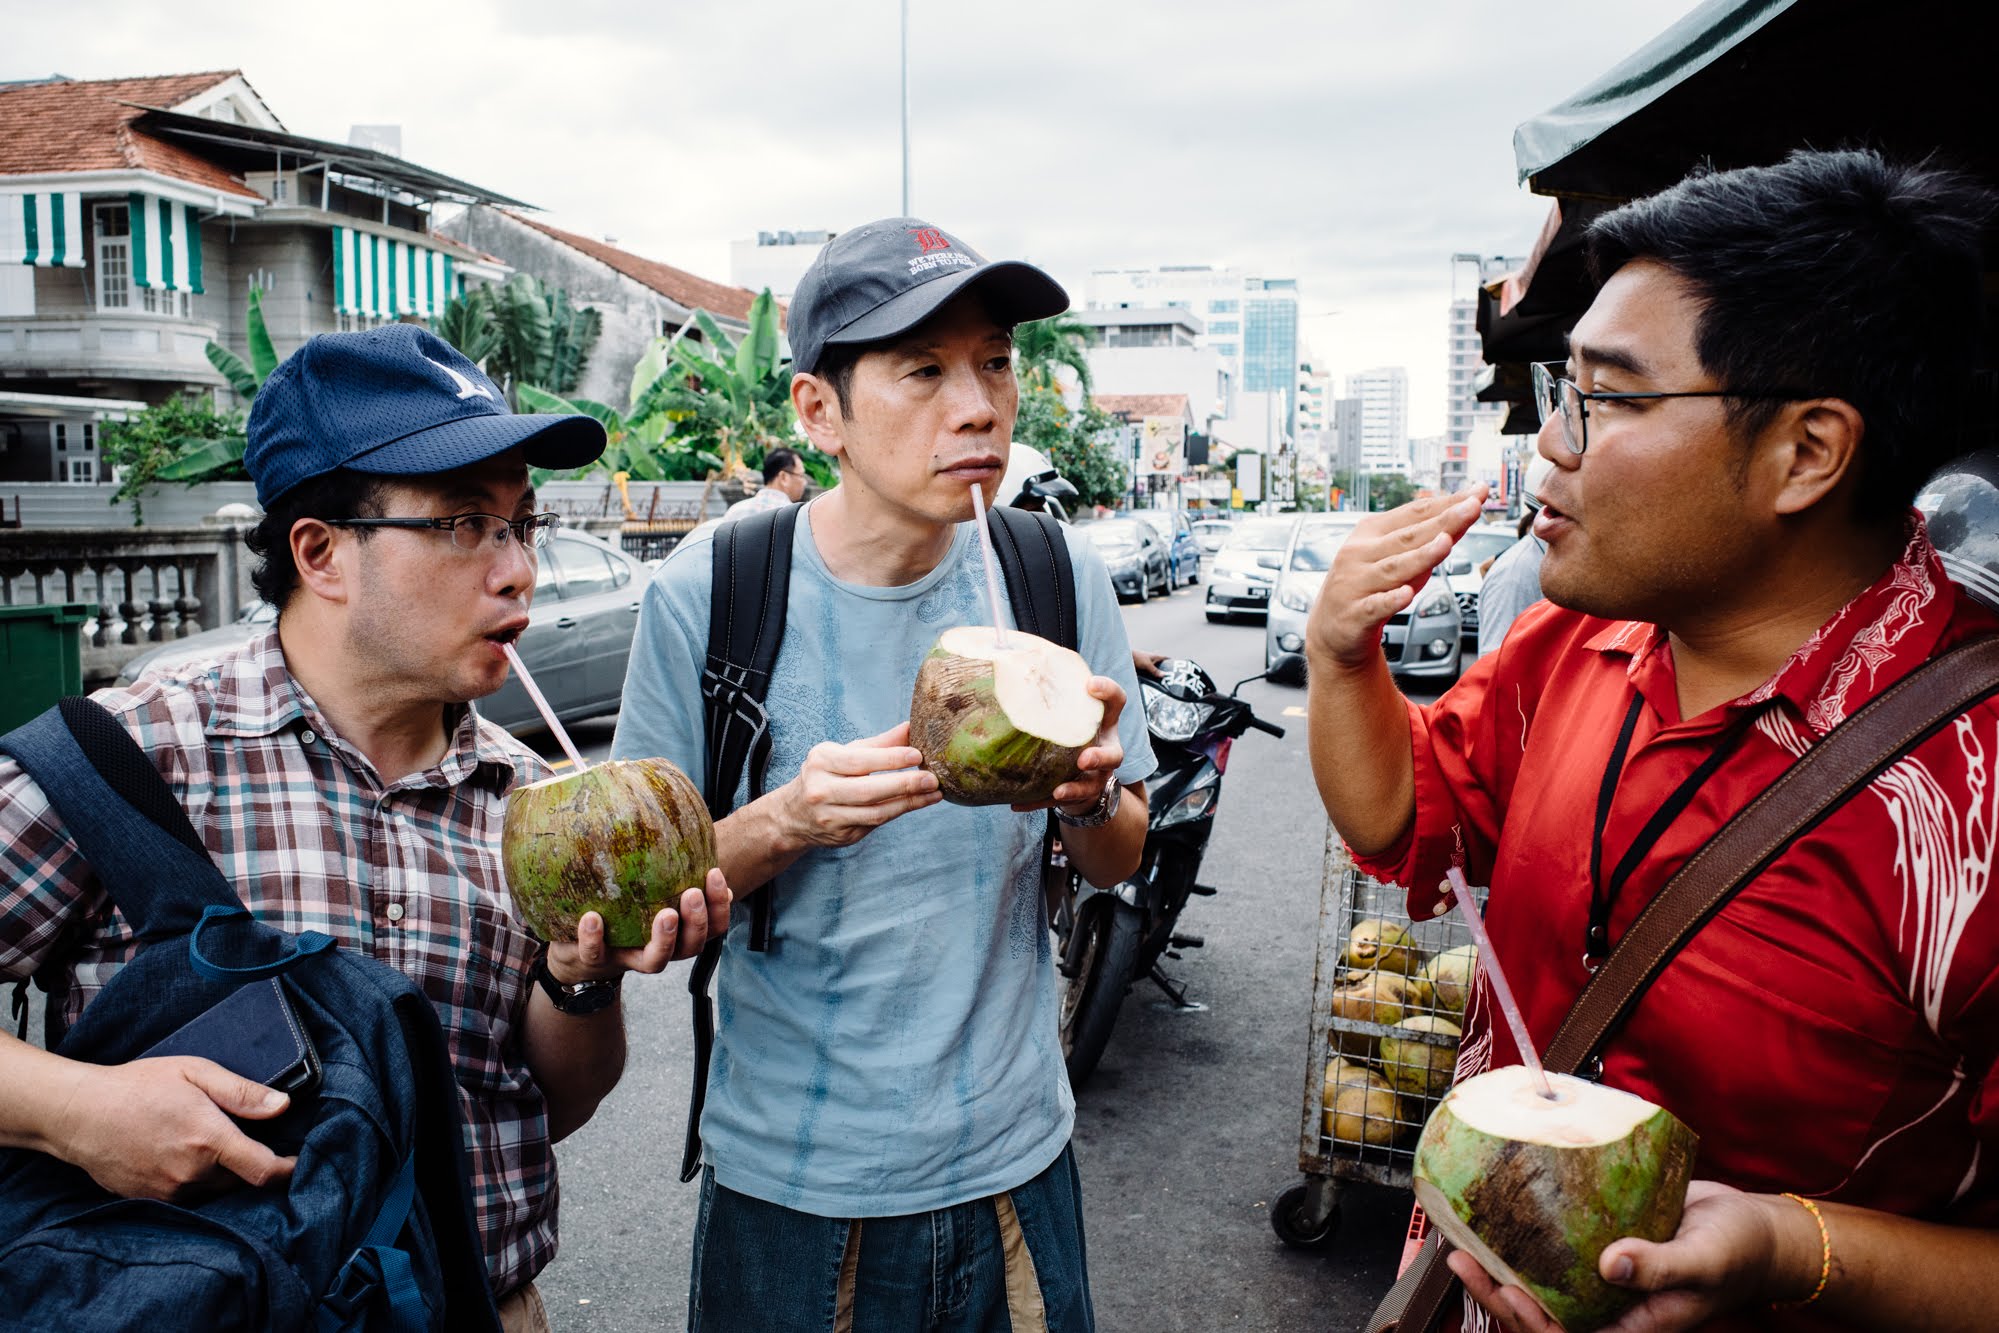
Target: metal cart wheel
1306,1215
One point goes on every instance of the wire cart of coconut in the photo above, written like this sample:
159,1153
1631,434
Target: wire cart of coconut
1388,996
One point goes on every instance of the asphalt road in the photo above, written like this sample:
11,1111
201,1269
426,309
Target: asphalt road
1185,1135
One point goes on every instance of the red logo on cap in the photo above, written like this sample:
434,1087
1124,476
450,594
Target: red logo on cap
929,238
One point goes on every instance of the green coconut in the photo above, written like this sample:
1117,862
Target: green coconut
1382,946
1536,1189
1420,1068
1450,976
1360,1107
1368,997
1002,725
623,839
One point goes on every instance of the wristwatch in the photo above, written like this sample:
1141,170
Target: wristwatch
1099,814
584,997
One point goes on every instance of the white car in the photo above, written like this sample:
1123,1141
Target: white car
1240,579
1463,570
1421,642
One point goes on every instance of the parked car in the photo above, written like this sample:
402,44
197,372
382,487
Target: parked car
1212,532
1136,556
577,642
1462,570
1421,642
1183,553
1239,581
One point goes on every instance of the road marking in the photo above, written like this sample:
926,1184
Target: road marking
564,763
1294,711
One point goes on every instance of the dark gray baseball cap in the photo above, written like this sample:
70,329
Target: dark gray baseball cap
879,281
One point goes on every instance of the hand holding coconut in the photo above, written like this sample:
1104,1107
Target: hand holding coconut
1731,1250
677,933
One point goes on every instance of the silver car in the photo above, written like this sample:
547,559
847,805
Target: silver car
1421,642
1240,579
577,641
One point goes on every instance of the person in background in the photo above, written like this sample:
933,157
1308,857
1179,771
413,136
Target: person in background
784,484
1513,582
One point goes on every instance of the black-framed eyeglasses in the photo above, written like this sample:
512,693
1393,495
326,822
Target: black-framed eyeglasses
471,532
1556,394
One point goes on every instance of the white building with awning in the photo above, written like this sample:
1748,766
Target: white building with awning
136,216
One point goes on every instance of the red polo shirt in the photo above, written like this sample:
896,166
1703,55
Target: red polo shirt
1832,1032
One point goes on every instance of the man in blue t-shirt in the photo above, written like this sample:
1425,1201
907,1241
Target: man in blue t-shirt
887,1123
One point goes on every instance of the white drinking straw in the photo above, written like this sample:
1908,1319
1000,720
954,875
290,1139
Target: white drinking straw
992,565
547,713
1500,990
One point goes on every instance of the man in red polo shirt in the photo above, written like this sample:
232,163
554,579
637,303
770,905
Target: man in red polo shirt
1777,360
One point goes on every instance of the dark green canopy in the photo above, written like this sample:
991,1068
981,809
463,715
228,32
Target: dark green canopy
1742,82
1737,83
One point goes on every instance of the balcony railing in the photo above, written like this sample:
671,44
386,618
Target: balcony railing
108,345
148,585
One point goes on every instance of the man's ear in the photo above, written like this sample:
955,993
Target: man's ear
317,551
1816,451
818,408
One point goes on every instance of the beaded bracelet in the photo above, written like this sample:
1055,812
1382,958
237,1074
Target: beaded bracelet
1825,1256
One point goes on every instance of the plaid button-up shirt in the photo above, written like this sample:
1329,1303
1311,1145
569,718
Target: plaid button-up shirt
313,839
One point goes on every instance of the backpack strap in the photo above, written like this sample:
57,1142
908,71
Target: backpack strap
752,571
747,599
1040,578
123,817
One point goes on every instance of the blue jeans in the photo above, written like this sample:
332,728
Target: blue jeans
1010,1263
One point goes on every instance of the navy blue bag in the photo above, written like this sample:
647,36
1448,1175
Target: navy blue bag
373,1231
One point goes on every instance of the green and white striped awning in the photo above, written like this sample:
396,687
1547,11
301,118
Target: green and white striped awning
383,277
166,244
44,230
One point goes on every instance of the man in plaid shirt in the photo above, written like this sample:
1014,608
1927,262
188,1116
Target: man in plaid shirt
339,778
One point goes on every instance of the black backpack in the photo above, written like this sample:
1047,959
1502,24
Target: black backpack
374,1229
745,627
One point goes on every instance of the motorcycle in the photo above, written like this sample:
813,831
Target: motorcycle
1106,939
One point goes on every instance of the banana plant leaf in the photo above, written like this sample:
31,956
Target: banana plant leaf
724,345
208,456
232,368
602,411
263,356
538,400
756,355
647,372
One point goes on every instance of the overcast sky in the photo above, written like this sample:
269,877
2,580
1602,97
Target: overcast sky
1354,146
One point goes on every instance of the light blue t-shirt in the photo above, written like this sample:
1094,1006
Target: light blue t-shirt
896,1049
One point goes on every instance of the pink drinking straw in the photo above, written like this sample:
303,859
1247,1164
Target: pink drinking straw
1500,990
992,565
547,713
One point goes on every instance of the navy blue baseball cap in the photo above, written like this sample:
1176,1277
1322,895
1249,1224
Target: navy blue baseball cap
879,281
397,400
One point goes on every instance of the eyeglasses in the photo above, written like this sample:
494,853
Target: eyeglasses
471,532
1557,395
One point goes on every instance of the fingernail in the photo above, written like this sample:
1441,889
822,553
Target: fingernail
273,1100
1621,1269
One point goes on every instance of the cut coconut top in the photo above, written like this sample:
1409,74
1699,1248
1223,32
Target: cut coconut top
1507,1104
1042,686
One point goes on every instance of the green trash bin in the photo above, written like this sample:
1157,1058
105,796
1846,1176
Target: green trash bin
41,658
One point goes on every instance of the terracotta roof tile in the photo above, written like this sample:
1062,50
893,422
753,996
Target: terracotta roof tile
1142,405
85,125
677,284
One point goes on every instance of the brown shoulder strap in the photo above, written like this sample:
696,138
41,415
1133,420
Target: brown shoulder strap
1825,778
